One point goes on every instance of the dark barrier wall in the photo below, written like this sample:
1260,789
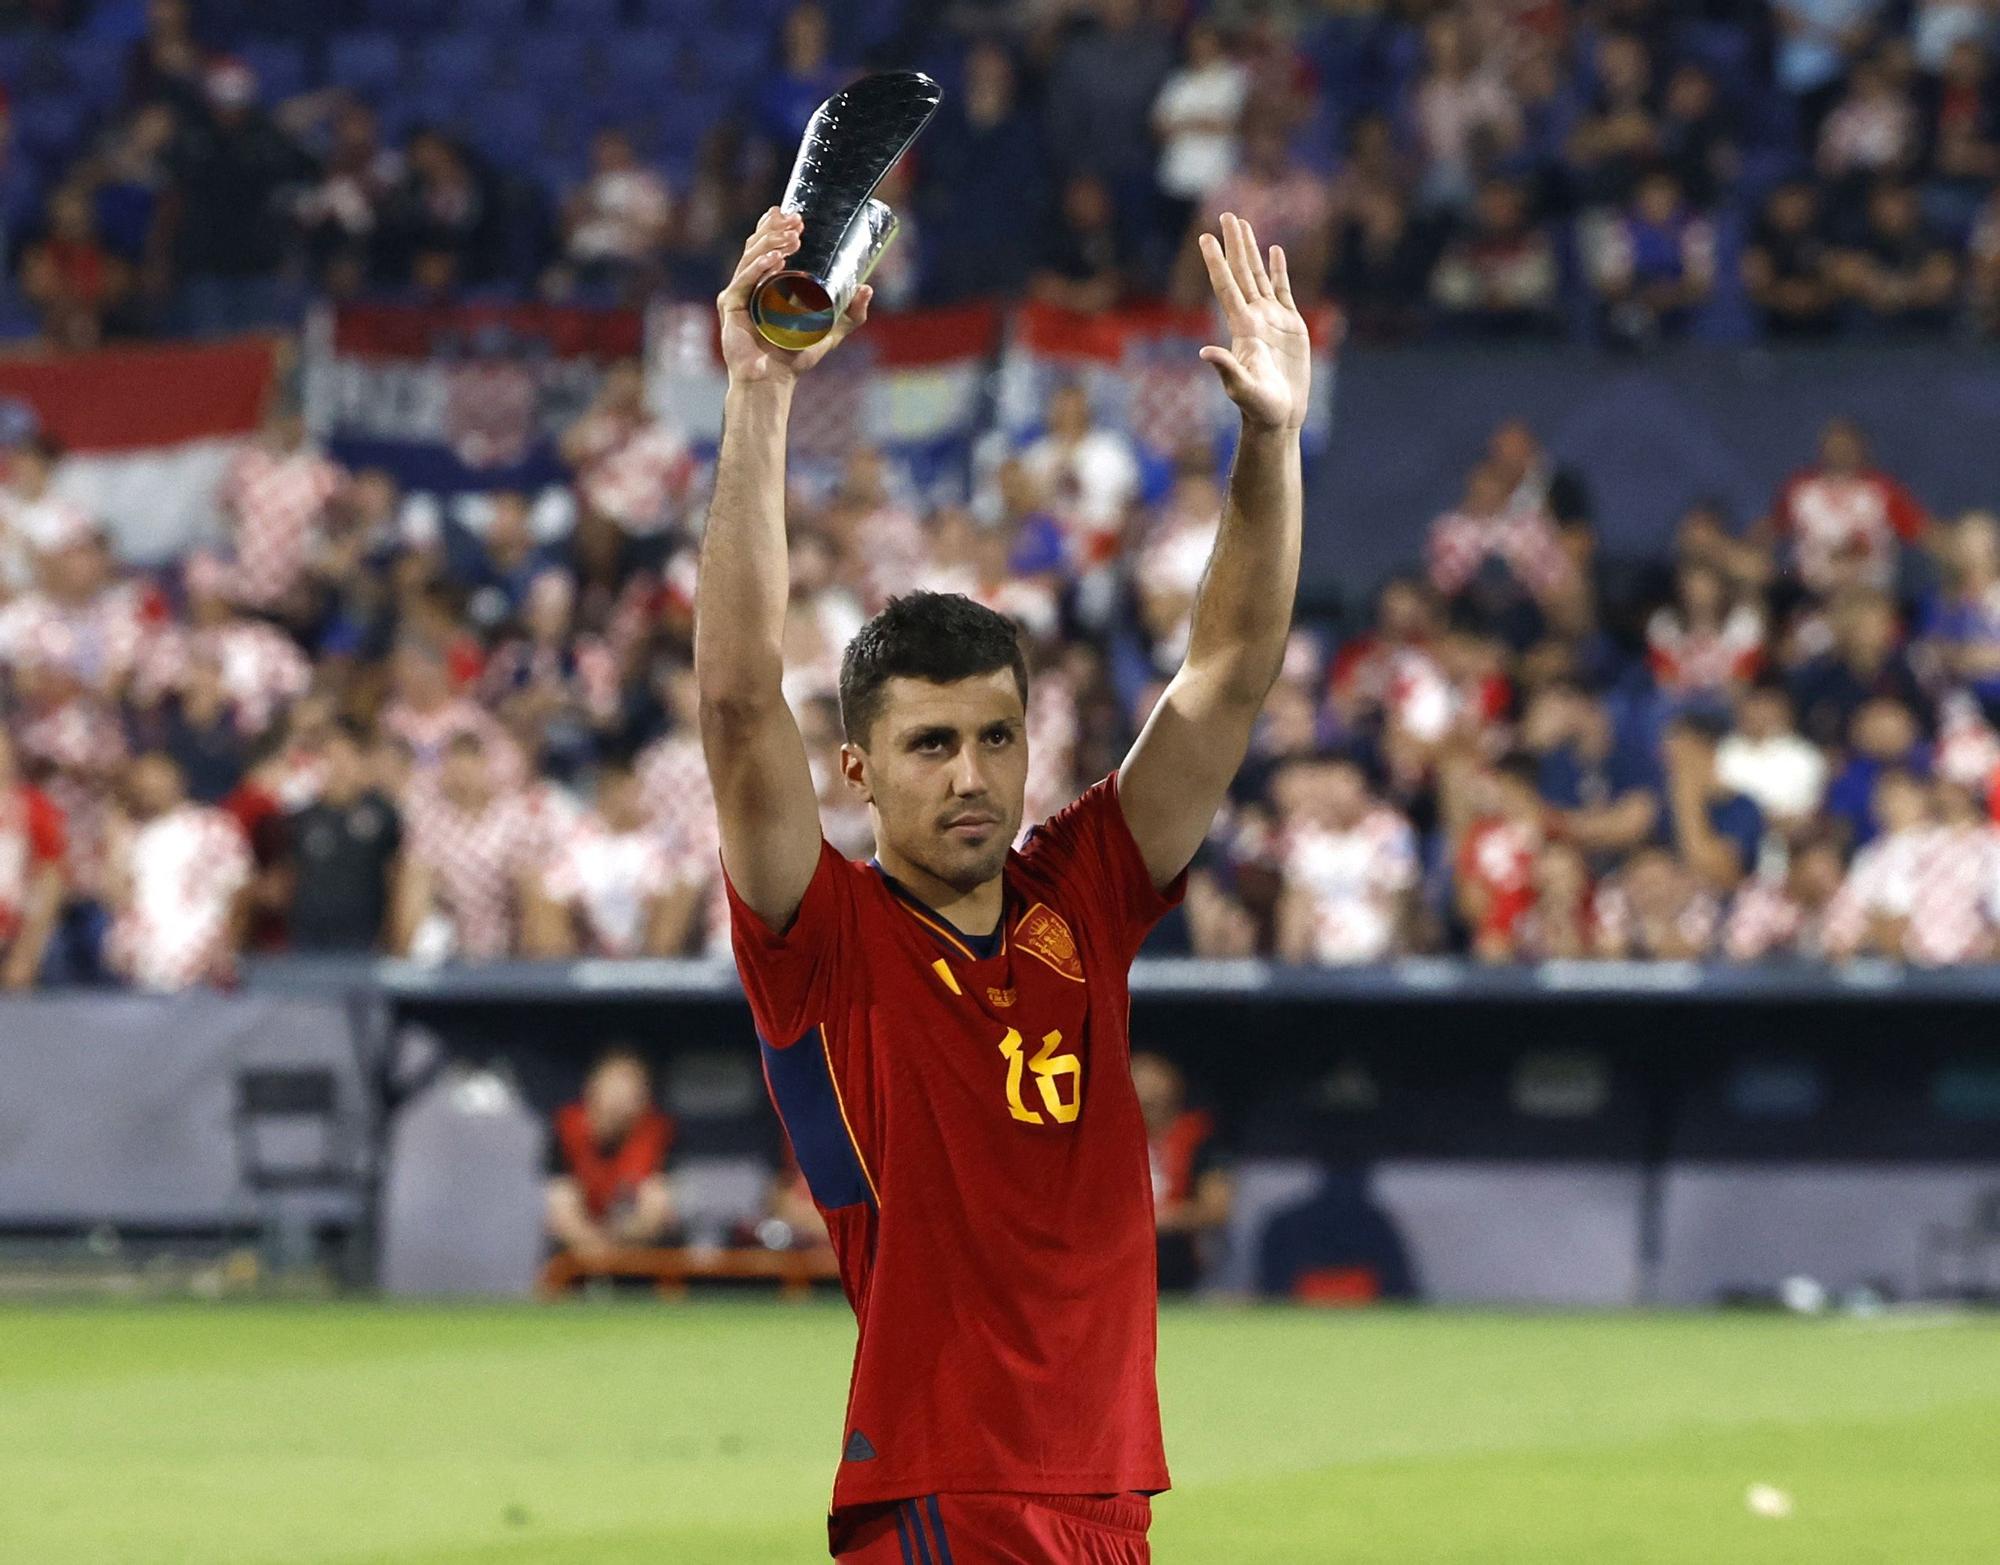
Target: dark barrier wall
1650,435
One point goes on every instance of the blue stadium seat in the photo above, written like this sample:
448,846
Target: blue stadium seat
511,127
503,17
465,59
97,66
688,15
15,51
280,67
369,63
732,60
592,17
413,18
552,60
49,128
643,61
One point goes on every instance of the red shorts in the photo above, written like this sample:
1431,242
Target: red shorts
996,1529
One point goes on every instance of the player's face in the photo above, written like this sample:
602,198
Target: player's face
945,772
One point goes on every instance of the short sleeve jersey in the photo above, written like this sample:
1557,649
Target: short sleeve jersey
967,1124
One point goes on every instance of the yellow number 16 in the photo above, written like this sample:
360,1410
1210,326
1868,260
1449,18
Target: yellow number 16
1048,1066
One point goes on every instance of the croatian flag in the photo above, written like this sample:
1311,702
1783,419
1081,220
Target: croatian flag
914,385
147,433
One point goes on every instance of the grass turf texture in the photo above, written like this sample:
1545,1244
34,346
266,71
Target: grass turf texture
705,1435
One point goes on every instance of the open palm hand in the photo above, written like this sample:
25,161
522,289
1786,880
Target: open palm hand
1267,367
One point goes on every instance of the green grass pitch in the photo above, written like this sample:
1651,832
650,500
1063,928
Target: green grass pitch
705,1435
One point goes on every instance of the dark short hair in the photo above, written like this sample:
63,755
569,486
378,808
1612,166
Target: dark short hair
941,637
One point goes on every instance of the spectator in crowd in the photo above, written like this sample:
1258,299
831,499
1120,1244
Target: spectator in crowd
228,219
1193,1190
633,468
1871,133
807,74
1884,736
177,877
1196,118
1865,661
1766,760
1505,564
1464,113
439,224
1698,141
1083,264
1379,266
1817,39
1088,472
340,213
33,847
1844,519
343,852
1496,858
75,283
1705,643
984,164
1286,203
1960,629
1618,138
1603,790
1788,916
1900,275
608,1187
616,222
1562,924
1101,92
1923,890
1655,909
276,496
1786,266
470,870
611,889
1961,124
1717,831
1349,865
1654,264
1498,274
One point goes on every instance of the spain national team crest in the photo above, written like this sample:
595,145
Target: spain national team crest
1042,933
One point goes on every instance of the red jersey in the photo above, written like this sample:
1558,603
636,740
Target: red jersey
967,1124
33,836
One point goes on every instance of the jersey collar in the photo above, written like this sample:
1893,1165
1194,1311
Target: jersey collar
974,948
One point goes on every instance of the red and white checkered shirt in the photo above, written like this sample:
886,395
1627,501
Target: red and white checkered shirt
428,733
185,869
263,670
476,857
673,779
612,878
1524,540
1685,661
1766,919
1835,521
584,674
276,500
1692,925
96,643
635,471
892,555
1942,880
32,839
1353,880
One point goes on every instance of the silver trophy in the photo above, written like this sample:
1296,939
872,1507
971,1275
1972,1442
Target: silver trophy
852,140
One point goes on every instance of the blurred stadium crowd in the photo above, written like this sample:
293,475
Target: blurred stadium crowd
370,723
1626,168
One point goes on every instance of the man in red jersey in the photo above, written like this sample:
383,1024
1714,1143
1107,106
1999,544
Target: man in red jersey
944,1027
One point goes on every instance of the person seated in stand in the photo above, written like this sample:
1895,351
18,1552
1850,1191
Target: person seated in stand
1192,1187
607,1164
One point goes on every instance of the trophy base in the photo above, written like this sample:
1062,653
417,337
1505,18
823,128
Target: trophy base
792,310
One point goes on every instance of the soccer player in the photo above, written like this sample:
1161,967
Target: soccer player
944,1027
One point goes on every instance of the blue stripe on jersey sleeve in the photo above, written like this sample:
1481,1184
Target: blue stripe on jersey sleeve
801,1079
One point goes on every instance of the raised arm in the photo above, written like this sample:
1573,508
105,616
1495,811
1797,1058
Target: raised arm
1174,780
763,787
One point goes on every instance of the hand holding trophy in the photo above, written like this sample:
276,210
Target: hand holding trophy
801,285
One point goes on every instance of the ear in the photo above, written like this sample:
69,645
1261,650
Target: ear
854,771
